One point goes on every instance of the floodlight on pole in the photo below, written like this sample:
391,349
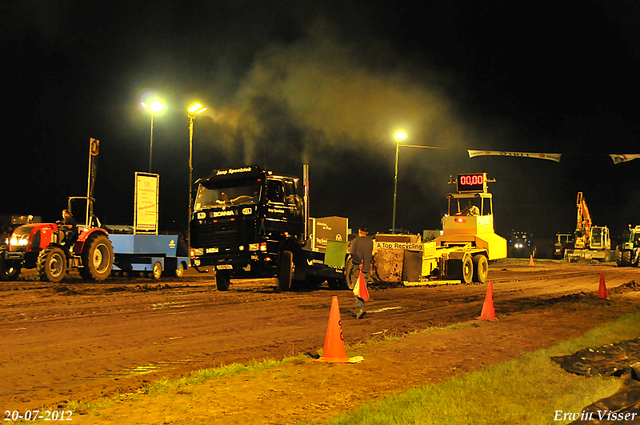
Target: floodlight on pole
400,135
155,107
192,111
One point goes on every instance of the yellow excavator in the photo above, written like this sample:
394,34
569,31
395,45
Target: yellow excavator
591,242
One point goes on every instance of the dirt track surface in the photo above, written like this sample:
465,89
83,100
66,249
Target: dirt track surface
79,340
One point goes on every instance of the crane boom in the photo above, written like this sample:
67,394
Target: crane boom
583,225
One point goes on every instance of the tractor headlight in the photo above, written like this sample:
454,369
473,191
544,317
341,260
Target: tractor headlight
20,241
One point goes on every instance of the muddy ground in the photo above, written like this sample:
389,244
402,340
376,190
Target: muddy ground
78,340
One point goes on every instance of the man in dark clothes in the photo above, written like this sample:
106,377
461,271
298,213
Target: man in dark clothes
361,252
70,229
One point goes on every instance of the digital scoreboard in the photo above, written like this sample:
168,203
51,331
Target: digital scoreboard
476,182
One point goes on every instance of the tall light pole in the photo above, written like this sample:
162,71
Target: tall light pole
400,135
193,110
155,107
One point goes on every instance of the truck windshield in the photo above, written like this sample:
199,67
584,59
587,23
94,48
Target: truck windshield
213,196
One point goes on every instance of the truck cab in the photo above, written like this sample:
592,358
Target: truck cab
247,223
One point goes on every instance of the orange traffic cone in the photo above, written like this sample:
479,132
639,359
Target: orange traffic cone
334,341
488,312
531,260
602,290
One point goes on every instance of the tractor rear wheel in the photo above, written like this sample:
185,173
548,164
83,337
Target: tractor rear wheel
97,258
480,268
51,264
620,260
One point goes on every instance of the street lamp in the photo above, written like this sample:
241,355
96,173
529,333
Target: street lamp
155,107
400,135
193,110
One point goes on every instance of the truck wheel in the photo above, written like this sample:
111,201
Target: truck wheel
97,258
480,268
467,270
223,279
626,258
156,272
179,272
285,270
51,264
347,273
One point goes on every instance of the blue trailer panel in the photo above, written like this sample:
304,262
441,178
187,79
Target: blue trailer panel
144,252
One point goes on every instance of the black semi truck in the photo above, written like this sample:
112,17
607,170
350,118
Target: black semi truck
248,222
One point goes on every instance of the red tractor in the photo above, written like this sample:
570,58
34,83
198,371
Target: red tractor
41,246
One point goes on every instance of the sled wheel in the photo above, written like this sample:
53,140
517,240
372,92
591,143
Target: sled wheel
467,270
480,268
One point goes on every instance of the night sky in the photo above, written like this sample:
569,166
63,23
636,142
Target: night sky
327,83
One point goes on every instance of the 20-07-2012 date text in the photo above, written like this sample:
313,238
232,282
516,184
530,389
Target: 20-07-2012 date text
32,415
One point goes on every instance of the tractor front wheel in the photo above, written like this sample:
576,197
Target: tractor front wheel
51,264
9,270
97,258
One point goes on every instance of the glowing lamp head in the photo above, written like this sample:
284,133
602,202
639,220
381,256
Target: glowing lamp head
156,106
400,136
195,109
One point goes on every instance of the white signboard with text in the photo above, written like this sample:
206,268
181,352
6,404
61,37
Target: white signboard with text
146,203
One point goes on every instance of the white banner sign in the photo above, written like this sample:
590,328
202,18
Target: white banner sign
617,159
146,203
549,156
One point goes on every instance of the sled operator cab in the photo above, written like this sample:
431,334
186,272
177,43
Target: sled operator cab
470,210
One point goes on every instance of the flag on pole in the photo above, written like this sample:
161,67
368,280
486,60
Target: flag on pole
360,288
536,155
618,159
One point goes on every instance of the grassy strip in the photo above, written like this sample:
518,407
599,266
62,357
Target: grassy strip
529,390
165,384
